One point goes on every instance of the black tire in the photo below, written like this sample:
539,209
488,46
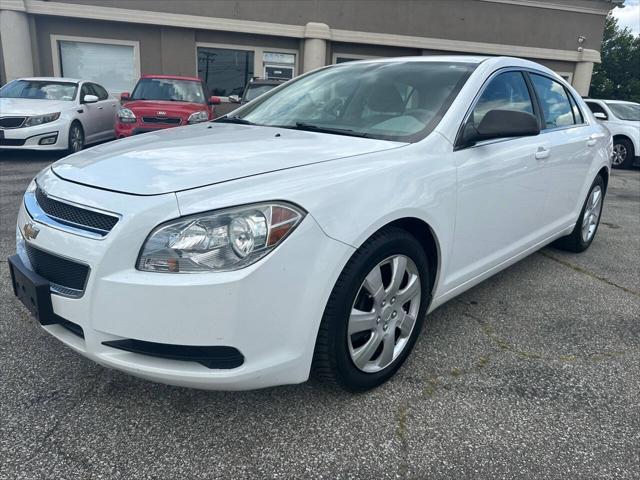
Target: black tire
623,152
75,129
332,361
575,242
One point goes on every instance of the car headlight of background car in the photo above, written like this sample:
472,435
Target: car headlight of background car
40,119
221,240
197,117
126,116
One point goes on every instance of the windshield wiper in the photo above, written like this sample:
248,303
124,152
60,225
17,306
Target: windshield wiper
317,128
227,119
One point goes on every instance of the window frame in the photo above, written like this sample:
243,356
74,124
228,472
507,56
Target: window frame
459,145
537,107
570,98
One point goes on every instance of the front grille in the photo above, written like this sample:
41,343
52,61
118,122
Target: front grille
58,270
75,216
11,122
167,120
11,142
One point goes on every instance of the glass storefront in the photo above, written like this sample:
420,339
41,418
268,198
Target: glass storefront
225,71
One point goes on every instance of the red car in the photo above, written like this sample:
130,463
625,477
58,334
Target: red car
164,101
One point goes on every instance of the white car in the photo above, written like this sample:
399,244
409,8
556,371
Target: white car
623,121
55,114
315,226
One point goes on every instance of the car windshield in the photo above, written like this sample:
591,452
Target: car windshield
394,100
254,91
168,89
39,90
625,111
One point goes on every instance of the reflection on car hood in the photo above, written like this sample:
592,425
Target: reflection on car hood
29,106
193,156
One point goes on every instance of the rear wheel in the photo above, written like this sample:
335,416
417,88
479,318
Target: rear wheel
76,138
585,230
375,312
623,153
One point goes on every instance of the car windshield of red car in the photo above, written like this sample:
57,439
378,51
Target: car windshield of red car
169,90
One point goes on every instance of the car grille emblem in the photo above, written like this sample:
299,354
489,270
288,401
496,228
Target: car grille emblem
30,231
162,113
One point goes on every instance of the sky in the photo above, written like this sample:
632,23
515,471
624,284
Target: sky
629,16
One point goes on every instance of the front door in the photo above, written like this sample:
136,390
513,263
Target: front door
502,188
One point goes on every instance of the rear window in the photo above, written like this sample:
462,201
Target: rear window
556,107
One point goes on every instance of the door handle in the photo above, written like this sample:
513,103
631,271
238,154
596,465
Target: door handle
99,108
542,153
592,140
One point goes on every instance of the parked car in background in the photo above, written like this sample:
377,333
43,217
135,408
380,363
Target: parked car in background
52,113
623,121
255,88
314,228
164,101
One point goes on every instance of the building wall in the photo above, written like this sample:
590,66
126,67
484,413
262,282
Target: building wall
470,20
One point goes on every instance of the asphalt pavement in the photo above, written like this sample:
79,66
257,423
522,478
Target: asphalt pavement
533,374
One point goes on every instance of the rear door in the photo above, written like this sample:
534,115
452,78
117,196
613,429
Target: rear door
106,111
568,139
90,115
502,186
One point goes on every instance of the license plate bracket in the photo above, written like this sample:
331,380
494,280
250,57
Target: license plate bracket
32,290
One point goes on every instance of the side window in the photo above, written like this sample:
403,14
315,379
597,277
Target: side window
86,90
596,108
577,114
555,104
507,91
101,93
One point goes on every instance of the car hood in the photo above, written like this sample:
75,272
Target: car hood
29,106
193,156
168,109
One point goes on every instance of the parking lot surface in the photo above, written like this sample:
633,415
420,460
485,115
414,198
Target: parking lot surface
533,374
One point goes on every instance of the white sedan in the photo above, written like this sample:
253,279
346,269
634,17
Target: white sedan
623,121
55,114
315,227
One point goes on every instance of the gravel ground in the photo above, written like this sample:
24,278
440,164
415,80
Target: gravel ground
533,374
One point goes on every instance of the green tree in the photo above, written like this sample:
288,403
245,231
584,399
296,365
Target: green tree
618,76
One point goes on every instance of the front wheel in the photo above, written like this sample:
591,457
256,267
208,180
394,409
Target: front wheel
585,230
76,138
623,153
375,312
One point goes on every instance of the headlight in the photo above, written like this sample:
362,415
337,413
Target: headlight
40,119
126,116
32,186
222,240
197,117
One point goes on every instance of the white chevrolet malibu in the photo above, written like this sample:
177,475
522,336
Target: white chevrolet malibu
312,229
50,113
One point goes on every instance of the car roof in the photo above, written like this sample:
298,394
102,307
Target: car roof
53,79
173,77
622,102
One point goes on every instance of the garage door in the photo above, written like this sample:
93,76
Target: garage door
113,66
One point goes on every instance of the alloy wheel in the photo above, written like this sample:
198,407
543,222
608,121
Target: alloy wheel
75,140
592,212
619,154
384,313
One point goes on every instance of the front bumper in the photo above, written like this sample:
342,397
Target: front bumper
128,129
269,312
31,138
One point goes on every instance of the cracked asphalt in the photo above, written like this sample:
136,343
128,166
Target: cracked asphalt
533,374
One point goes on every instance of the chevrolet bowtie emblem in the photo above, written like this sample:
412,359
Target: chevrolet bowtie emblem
30,231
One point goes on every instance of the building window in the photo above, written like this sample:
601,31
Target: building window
111,65
225,71
279,65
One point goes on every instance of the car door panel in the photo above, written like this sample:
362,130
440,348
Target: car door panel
90,116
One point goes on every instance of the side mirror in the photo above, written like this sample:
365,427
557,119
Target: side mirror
125,96
501,124
214,100
90,99
601,116
234,98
